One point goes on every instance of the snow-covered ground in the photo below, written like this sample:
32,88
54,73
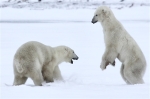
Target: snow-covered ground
84,79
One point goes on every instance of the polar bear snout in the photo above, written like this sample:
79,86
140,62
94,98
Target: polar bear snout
94,20
75,57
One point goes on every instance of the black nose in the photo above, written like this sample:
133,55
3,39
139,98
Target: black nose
75,58
93,21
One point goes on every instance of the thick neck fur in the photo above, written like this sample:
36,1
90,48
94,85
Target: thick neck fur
110,22
58,55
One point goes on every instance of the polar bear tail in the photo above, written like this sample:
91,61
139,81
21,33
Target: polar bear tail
18,66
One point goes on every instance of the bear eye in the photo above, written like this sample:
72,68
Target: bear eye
96,15
73,51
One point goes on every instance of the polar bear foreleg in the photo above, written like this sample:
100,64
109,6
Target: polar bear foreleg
48,74
108,57
57,73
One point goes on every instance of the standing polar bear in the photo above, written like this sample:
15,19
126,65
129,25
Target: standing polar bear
40,62
119,44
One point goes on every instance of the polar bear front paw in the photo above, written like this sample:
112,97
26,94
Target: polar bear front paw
104,65
49,80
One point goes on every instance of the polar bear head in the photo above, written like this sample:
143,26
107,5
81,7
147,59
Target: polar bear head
101,14
66,54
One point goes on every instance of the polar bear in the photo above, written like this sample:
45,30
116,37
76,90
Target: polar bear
40,62
119,44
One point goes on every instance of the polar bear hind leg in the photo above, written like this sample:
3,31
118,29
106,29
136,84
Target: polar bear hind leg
37,77
122,74
133,74
35,73
19,80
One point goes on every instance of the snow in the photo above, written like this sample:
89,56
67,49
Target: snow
112,1
71,4
71,27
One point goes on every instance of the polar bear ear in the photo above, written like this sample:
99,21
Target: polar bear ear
66,49
104,11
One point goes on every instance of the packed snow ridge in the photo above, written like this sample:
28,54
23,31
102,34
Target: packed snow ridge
71,4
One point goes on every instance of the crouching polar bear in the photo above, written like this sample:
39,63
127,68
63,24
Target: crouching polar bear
40,62
119,44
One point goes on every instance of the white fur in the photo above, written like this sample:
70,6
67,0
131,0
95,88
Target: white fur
119,44
40,62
